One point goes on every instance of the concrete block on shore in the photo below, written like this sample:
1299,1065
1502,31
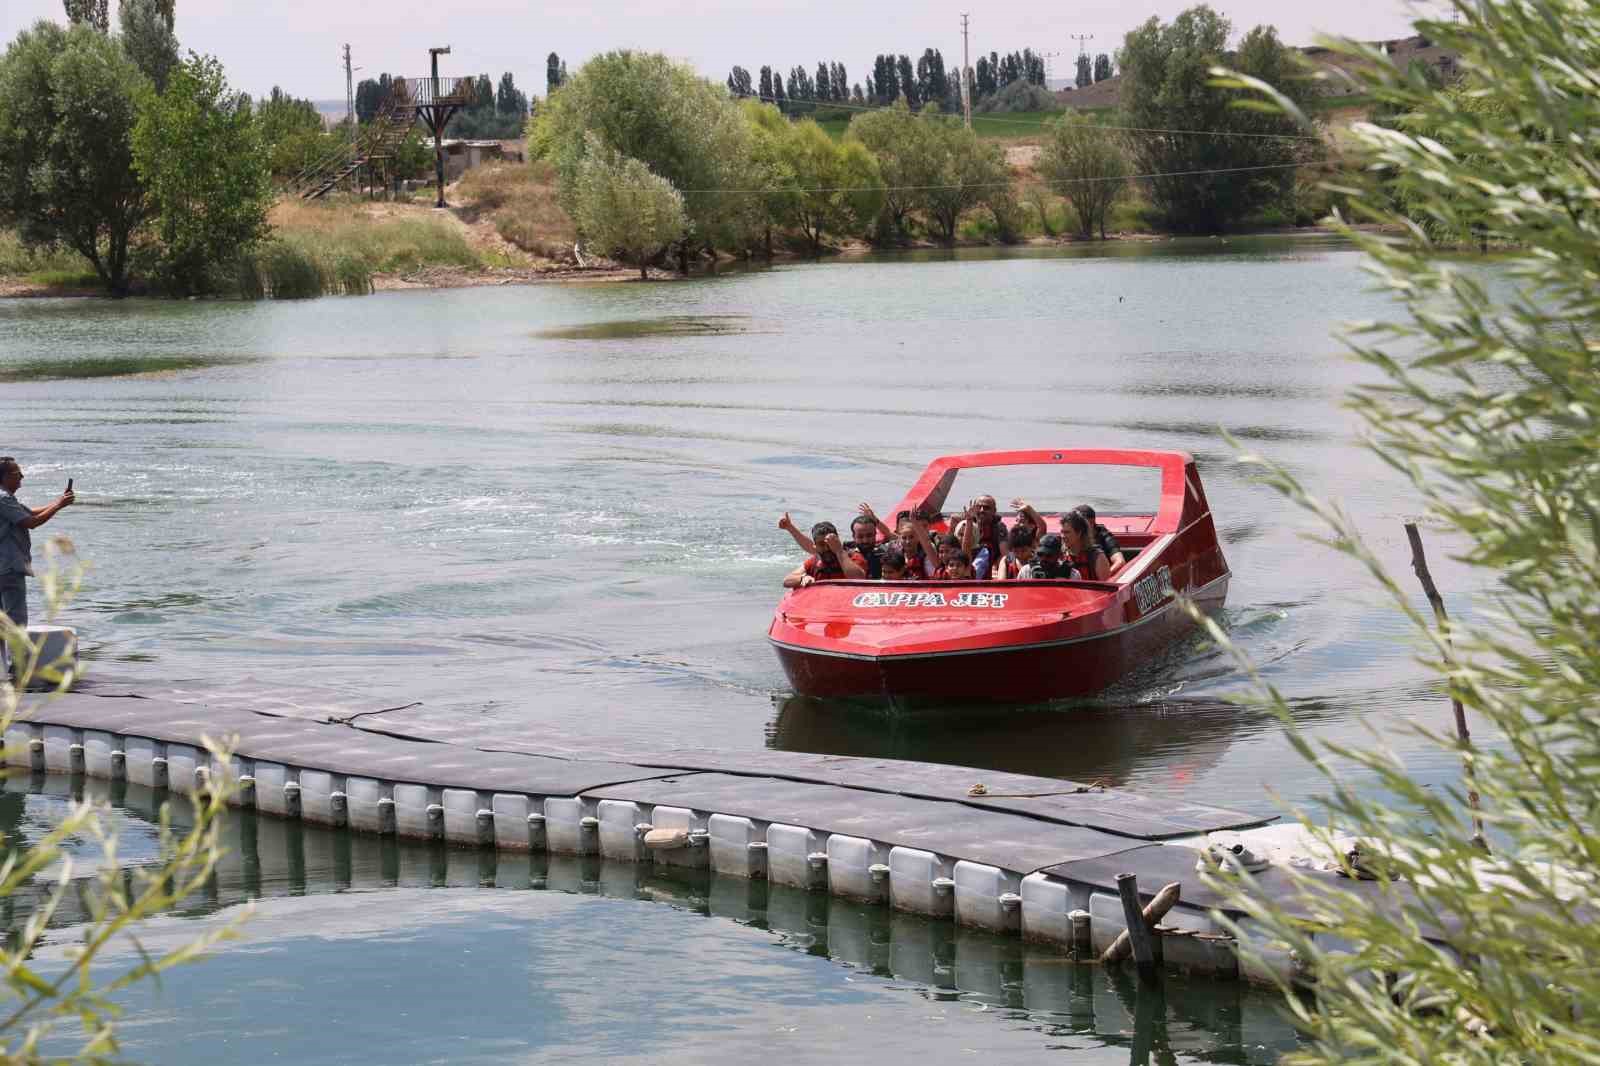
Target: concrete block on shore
58,742
988,897
851,868
571,827
411,804
920,882
738,846
140,755
182,761
511,830
97,748
461,807
271,777
789,852
19,744
316,798
361,804
1106,920
695,856
620,837
1046,904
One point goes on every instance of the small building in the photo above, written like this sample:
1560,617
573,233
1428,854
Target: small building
461,155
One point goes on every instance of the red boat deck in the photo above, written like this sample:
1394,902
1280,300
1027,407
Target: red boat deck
1010,641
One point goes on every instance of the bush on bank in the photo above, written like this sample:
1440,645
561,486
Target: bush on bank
1489,402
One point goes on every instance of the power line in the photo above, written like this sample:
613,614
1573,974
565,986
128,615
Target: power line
841,106
1003,184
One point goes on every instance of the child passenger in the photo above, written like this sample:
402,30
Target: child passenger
892,564
957,567
1020,553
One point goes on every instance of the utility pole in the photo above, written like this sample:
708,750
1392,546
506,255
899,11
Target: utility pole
1082,39
1048,73
438,118
966,74
349,94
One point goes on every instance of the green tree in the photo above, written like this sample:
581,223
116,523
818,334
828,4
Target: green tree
510,101
67,111
292,132
1102,67
370,94
1489,383
148,38
907,149
1088,165
908,81
1085,71
969,171
553,70
1166,84
197,148
622,209
95,14
650,108
816,185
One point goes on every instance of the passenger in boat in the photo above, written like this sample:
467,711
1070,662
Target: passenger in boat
828,558
1019,543
892,563
864,541
911,529
968,530
1084,553
1103,538
991,530
1049,562
957,566
863,528
1027,516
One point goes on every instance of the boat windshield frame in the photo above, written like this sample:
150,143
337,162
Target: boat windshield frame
1177,486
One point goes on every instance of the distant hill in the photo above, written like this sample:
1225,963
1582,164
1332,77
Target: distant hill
1403,51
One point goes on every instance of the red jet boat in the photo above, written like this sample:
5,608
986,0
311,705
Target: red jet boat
1010,641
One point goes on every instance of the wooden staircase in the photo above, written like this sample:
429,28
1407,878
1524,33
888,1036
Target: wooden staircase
380,140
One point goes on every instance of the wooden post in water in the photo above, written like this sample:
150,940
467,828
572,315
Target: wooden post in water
1144,950
1419,565
1153,912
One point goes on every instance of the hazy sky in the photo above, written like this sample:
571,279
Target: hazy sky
296,43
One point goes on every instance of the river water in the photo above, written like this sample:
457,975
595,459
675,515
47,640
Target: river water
557,504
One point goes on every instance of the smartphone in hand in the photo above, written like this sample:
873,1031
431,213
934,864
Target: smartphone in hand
69,484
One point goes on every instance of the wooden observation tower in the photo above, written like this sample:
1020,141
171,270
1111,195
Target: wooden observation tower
431,101
437,101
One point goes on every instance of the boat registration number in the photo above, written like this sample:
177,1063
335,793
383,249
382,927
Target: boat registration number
930,599
1148,592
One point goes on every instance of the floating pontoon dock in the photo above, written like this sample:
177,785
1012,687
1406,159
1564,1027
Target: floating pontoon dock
1039,857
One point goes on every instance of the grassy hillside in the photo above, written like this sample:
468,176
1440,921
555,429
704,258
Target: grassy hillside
1018,125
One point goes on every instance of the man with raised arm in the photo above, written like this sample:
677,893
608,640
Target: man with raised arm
16,542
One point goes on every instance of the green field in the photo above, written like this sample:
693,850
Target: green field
1019,124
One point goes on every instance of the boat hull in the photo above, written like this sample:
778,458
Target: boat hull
1014,674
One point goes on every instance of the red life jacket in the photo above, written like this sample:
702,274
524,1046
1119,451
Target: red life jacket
822,571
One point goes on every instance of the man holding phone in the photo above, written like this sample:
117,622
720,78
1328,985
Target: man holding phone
16,544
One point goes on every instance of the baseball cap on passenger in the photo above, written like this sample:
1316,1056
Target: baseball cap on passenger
1050,544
